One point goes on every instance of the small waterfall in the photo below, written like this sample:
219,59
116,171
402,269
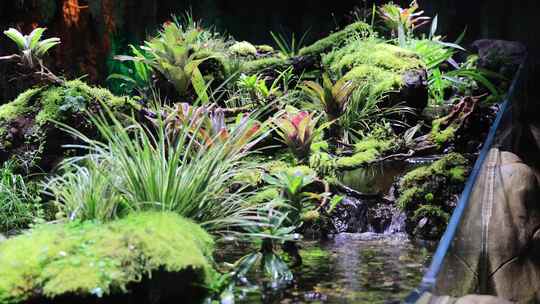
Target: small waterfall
397,225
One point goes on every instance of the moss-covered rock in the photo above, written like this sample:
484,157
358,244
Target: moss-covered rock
243,48
427,195
98,260
28,129
368,150
336,39
380,68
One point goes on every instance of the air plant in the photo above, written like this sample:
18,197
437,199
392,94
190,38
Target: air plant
32,49
297,132
403,20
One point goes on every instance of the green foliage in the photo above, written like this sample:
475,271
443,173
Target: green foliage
332,98
135,76
402,21
157,171
91,259
289,47
336,39
31,47
20,201
297,131
173,53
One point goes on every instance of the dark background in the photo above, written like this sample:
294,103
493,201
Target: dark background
104,27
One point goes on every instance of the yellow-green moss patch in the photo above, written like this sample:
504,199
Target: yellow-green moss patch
336,39
100,259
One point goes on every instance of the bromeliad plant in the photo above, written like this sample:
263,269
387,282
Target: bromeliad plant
298,131
32,49
333,98
172,54
403,21
208,127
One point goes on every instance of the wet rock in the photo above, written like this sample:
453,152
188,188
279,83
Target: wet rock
350,216
428,195
380,215
500,56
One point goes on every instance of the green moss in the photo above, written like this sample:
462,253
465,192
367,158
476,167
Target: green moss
336,39
430,211
19,106
442,137
265,48
255,66
426,191
243,48
56,101
366,151
376,79
265,195
371,52
97,259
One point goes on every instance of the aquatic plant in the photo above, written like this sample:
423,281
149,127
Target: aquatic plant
297,131
20,201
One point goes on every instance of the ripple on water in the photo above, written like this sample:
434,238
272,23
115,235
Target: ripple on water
350,268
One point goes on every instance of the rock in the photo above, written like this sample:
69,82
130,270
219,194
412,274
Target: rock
427,195
350,215
500,56
28,130
497,247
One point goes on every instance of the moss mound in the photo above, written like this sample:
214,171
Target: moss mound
377,66
371,147
91,259
427,195
27,130
336,39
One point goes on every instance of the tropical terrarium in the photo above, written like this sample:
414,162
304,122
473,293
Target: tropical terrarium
184,165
